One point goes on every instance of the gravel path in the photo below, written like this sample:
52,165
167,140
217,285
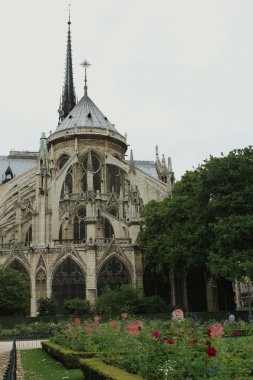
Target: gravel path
5,348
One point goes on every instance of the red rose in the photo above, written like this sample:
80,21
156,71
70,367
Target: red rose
211,351
170,341
156,334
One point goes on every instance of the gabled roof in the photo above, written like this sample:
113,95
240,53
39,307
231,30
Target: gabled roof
86,114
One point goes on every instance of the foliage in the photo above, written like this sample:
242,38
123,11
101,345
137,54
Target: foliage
47,306
151,305
37,364
130,299
96,369
14,292
77,307
31,330
207,222
177,349
115,301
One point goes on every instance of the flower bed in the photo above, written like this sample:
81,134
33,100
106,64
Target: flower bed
177,349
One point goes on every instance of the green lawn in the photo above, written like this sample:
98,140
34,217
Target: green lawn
38,365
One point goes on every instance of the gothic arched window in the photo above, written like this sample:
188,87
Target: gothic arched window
108,229
79,225
114,180
29,235
60,232
68,282
62,161
96,172
112,274
67,185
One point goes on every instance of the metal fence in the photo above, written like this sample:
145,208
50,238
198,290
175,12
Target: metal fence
11,369
25,343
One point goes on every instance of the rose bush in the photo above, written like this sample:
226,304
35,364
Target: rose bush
178,349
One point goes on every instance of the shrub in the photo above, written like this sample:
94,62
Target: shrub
47,306
150,305
118,300
76,307
130,299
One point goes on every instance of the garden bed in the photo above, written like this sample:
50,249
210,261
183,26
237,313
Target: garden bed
156,350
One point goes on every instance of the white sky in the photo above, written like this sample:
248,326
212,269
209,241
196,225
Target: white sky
172,73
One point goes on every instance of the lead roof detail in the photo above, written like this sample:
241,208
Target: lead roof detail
87,115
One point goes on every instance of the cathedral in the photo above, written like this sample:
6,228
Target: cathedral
70,213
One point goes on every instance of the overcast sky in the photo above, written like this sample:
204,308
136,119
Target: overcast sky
172,73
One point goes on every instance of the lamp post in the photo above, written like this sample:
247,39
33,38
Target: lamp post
247,281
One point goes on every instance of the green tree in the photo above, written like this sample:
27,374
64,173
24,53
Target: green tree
227,192
14,292
174,234
208,221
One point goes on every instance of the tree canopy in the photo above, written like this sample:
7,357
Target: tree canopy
208,222
14,292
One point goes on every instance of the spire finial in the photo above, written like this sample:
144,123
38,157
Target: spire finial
68,93
69,22
85,64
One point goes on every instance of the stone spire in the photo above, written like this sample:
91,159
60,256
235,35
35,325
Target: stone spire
43,153
68,100
131,164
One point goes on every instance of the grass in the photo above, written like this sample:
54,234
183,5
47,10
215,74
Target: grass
38,365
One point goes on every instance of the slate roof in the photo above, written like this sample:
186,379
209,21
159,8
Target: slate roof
19,162
86,114
147,167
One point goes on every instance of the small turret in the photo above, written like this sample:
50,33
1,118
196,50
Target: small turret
132,165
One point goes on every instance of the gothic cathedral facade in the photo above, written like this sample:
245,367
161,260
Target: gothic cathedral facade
70,223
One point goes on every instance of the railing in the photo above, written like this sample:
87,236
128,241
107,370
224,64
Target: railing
107,241
15,245
57,242
67,241
11,369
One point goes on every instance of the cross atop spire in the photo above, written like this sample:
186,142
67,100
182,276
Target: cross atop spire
68,101
85,64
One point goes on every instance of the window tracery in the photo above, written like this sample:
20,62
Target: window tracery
112,274
29,235
68,282
80,225
96,172
114,178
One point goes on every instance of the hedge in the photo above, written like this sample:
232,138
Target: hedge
68,357
96,369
